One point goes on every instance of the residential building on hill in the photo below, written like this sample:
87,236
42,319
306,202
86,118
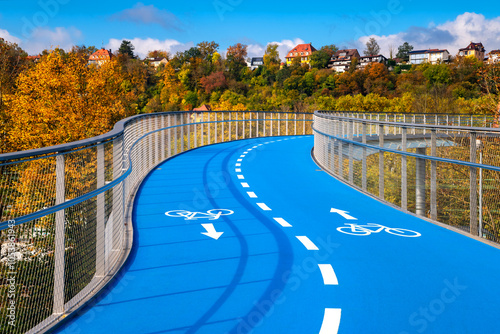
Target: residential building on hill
100,57
341,60
474,50
256,62
431,56
364,61
34,59
304,51
157,61
494,57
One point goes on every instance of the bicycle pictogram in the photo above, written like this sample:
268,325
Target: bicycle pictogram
212,214
369,228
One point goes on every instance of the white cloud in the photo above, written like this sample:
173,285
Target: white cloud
143,46
451,35
8,37
257,50
142,14
45,38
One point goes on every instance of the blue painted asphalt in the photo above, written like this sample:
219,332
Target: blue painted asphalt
259,278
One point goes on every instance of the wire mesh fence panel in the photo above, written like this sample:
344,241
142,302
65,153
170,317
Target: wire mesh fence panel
392,178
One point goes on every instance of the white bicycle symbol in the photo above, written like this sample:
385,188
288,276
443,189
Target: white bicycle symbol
212,214
362,230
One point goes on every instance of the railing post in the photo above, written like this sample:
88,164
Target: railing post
340,143
404,172
222,126
58,307
363,181
100,270
209,139
304,124
279,124
473,186
118,213
181,116
176,129
237,125
295,124
433,176
230,126
162,138
244,122
351,150
381,178
420,182
195,131
216,131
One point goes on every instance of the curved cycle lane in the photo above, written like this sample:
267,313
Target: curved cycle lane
252,237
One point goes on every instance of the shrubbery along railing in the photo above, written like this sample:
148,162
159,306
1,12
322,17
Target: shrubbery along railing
65,225
446,173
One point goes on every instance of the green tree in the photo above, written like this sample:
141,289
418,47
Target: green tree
330,49
404,50
127,49
272,57
372,47
320,59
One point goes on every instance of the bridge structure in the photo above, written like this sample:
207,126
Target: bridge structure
256,222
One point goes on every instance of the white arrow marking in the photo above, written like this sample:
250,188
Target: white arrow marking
211,232
343,214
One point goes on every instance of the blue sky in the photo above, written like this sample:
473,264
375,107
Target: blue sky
175,26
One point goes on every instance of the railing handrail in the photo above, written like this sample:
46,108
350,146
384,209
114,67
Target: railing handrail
319,113
117,130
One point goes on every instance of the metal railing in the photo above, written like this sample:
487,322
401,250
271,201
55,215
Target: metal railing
65,226
447,173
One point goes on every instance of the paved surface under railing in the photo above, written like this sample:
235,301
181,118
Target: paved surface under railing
300,252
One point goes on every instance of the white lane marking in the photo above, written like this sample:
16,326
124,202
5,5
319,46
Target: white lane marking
241,177
264,207
245,185
239,160
343,214
246,152
251,194
307,243
260,144
242,156
282,222
238,165
238,170
255,146
331,321
329,277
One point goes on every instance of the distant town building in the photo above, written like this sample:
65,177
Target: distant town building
100,57
363,61
431,56
341,60
157,61
203,107
494,57
473,50
34,59
255,62
302,51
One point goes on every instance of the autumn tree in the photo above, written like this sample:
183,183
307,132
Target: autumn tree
272,57
235,60
320,59
158,54
207,49
331,49
84,51
213,82
372,47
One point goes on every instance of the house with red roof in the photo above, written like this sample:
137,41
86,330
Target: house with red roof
473,50
100,57
302,51
494,57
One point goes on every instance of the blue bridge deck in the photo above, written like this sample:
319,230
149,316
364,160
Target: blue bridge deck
300,253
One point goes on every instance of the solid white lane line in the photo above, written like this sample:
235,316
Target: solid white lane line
239,160
241,177
264,207
238,165
307,243
329,277
331,321
238,170
251,194
245,185
282,222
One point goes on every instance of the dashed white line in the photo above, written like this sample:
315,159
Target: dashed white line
241,177
238,170
239,160
264,207
242,156
307,243
245,185
331,321
247,151
282,222
251,194
238,165
329,277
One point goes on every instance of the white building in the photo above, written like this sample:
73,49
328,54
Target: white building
432,56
